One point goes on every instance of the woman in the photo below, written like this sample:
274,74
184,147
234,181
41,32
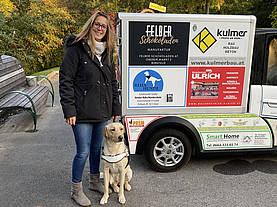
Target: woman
89,96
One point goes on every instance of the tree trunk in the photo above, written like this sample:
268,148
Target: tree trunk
207,6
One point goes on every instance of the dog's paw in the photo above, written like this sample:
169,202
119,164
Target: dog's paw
128,187
115,188
121,199
104,199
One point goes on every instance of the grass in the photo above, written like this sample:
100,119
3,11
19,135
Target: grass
46,72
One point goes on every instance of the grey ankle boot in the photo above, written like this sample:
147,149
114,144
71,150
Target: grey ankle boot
78,195
95,184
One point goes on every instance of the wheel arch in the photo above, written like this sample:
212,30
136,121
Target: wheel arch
173,122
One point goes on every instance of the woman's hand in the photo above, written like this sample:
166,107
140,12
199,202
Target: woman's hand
71,120
115,118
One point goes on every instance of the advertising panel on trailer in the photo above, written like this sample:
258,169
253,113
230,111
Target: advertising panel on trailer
185,82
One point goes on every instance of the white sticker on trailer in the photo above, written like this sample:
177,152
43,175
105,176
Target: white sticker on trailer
136,124
150,87
236,140
232,131
219,40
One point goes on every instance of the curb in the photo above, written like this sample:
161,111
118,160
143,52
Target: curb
50,76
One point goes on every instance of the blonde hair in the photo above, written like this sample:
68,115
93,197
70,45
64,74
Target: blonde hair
87,33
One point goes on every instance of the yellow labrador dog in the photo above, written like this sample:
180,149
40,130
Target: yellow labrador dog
117,170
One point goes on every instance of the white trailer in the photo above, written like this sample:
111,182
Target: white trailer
185,83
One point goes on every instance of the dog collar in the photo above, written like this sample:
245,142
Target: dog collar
115,158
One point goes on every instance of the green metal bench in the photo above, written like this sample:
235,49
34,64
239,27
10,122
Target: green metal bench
15,92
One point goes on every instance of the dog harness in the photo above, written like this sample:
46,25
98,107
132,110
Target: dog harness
116,158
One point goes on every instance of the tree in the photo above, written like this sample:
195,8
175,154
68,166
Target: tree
273,16
260,8
34,34
80,11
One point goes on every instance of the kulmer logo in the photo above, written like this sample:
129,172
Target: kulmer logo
204,40
148,80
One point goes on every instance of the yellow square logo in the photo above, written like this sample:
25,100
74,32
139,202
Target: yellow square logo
204,40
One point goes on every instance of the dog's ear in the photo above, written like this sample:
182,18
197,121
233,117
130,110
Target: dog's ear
122,127
105,131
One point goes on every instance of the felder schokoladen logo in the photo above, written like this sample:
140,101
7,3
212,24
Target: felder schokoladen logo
204,40
158,43
148,80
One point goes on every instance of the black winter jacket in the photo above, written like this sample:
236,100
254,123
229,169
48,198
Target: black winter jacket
88,90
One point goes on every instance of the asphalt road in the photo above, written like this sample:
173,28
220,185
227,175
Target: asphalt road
35,170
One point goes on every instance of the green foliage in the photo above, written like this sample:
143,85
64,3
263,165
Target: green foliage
34,34
262,9
273,16
235,7
6,7
173,6
79,11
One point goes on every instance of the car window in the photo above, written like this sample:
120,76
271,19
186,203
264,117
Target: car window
272,63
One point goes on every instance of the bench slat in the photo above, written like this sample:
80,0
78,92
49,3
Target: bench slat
8,97
42,100
13,83
7,61
6,70
23,101
18,99
36,95
12,75
39,99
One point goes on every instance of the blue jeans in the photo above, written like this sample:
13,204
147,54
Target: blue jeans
88,139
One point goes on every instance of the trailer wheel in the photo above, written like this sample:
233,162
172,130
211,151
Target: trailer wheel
168,150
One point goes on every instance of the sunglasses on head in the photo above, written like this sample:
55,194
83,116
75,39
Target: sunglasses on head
103,14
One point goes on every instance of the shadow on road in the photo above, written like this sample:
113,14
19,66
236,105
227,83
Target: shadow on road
240,167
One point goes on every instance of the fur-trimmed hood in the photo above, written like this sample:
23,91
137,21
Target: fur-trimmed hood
69,41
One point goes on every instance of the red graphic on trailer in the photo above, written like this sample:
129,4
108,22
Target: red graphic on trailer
215,86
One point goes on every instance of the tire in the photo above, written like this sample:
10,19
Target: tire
167,150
